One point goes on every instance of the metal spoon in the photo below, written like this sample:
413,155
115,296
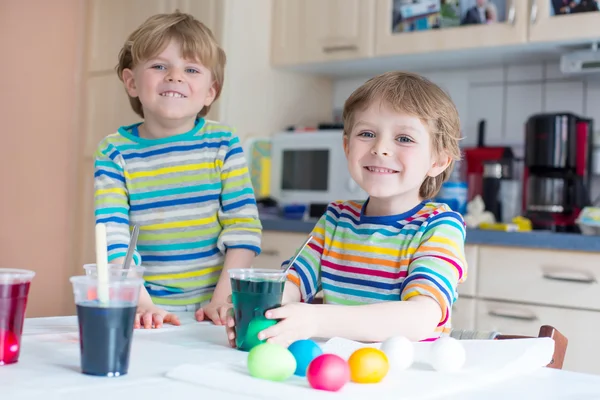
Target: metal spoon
131,248
297,255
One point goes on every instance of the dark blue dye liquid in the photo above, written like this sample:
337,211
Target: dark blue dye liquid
105,335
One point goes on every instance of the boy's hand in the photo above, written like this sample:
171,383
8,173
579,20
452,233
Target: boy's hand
151,316
298,321
216,311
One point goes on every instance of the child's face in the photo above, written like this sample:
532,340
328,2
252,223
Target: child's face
169,86
390,154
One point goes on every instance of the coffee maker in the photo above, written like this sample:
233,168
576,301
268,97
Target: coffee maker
557,175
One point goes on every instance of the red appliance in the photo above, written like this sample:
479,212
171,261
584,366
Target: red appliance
557,178
476,158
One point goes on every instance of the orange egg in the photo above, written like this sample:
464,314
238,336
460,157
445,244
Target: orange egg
368,365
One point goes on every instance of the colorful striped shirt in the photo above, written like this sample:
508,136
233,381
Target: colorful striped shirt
357,259
192,198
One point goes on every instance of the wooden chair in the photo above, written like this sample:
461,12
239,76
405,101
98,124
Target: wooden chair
560,340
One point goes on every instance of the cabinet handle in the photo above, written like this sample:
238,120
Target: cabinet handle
267,252
534,11
521,316
569,276
335,49
512,13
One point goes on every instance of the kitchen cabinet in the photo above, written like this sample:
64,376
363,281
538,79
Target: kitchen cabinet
545,27
111,22
463,314
579,326
368,32
306,31
511,32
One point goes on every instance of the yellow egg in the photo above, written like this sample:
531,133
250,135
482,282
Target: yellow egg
368,365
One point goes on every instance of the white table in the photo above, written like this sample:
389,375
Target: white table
49,368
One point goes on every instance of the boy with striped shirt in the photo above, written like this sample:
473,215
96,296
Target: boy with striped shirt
389,265
181,178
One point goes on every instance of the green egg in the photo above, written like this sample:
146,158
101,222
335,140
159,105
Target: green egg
271,361
254,328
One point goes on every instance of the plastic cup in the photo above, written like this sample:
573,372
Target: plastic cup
106,328
253,292
116,270
14,291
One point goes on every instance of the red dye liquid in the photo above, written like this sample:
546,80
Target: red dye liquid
13,301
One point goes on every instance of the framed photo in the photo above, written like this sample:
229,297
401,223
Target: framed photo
564,7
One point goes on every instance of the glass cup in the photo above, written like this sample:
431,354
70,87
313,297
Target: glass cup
14,291
106,314
116,270
253,292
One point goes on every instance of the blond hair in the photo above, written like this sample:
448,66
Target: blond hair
417,96
197,43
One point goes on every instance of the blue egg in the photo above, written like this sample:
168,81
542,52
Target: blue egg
304,352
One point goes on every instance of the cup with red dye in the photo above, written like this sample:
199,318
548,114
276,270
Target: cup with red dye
14,291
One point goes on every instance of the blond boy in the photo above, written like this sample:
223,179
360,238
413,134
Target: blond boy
397,257
181,178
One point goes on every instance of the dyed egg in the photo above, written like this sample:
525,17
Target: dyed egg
9,347
256,326
328,372
304,352
271,361
399,351
447,355
368,365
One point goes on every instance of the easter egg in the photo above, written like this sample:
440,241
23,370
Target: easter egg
271,361
256,326
399,351
447,355
368,365
9,347
304,352
328,372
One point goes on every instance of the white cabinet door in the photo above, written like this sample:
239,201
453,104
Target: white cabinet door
545,27
463,314
107,108
338,29
277,247
112,21
580,327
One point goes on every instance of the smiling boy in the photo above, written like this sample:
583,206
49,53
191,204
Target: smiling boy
389,265
181,178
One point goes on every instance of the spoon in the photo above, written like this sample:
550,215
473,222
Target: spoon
131,247
297,255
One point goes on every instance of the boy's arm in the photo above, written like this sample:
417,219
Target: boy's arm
305,274
111,201
427,293
240,237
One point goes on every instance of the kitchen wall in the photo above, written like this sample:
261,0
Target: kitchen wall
505,96
40,94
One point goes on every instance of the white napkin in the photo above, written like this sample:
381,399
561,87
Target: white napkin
487,362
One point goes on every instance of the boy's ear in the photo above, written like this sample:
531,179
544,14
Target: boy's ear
345,144
441,163
210,96
129,82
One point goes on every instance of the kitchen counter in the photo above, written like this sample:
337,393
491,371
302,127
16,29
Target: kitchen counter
535,239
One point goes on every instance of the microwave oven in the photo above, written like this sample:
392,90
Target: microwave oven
311,168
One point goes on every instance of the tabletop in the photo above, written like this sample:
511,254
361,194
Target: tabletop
49,368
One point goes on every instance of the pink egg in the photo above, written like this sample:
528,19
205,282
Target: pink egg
328,372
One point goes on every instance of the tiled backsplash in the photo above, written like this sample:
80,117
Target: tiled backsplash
505,97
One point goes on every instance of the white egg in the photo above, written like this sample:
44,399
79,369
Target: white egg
399,351
447,355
